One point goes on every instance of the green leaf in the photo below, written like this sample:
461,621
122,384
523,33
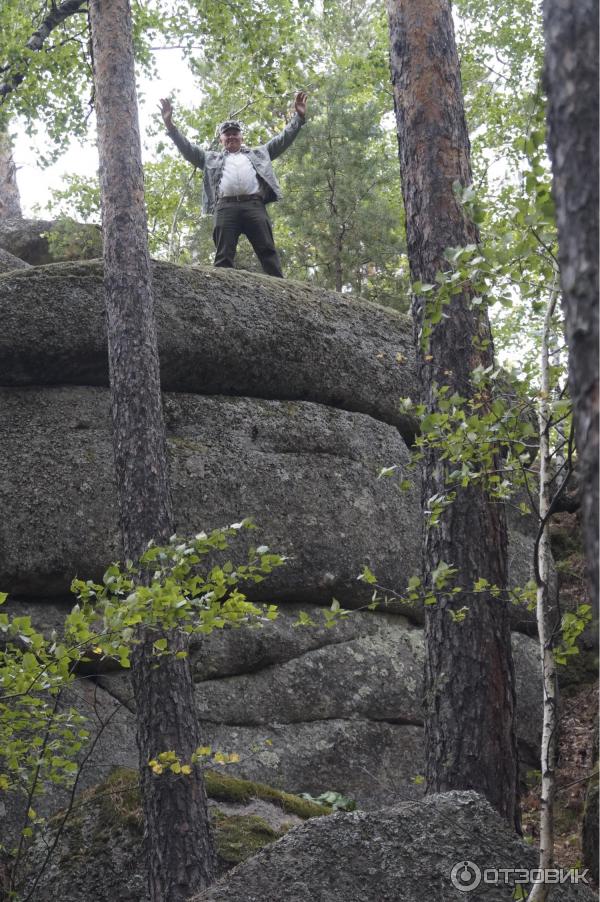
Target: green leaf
367,576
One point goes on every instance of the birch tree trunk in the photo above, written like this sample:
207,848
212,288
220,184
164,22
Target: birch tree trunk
549,751
179,843
469,677
10,199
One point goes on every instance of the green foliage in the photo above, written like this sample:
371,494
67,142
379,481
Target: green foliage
572,626
70,240
178,586
501,49
78,198
56,82
446,587
343,173
335,801
488,438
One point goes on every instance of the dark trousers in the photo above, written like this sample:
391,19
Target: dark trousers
249,218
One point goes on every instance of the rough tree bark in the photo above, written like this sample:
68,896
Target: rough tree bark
179,842
571,79
469,679
10,199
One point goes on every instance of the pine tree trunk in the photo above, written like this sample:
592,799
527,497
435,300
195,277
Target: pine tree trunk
571,77
179,843
469,676
10,199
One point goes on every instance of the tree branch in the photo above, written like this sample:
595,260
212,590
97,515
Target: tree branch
54,18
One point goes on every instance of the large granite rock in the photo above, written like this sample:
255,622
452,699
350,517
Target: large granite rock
41,241
380,679
227,333
398,854
368,761
308,709
219,332
303,417
306,473
315,708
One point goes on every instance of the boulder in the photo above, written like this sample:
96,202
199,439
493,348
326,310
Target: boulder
367,689
41,241
374,677
9,262
100,852
228,333
399,854
370,762
219,332
306,473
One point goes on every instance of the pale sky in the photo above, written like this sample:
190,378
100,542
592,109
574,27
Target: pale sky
35,183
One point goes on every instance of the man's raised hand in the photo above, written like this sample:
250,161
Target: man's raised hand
166,109
300,103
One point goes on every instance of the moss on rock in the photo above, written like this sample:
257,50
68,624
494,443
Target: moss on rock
239,836
223,788
119,796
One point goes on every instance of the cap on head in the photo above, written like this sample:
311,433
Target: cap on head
229,124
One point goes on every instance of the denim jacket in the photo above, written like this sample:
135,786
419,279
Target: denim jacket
212,162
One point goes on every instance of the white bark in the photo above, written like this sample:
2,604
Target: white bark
546,630
10,200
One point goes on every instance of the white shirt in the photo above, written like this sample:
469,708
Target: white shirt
239,176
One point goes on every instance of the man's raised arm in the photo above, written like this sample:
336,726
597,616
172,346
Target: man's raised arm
191,152
281,142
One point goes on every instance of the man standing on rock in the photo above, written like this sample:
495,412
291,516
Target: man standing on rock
238,182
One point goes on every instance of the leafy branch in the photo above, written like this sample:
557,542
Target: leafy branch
52,20
173,589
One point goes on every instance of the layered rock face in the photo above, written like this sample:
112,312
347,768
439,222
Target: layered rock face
281,403
305,472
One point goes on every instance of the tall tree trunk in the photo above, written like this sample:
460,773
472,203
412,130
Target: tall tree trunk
338,267
10,199
571,78
469,676
179,841
546,628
